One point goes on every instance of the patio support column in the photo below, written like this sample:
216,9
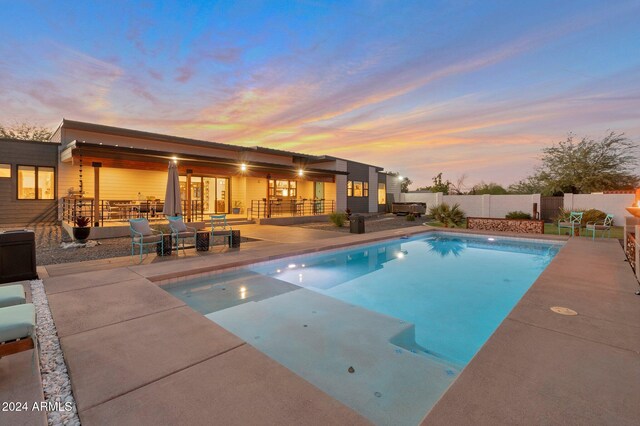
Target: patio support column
96,193
188,209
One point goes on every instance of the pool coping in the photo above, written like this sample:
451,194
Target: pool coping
535,366
198,272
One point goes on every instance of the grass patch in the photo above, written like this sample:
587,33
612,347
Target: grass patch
552,229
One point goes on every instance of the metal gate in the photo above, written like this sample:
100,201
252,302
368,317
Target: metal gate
550,207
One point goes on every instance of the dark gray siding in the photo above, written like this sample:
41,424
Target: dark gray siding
358,172
26,153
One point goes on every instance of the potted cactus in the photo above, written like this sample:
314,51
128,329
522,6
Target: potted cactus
81,230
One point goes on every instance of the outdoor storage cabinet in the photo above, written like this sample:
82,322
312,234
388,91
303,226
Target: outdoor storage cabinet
356,225
17,256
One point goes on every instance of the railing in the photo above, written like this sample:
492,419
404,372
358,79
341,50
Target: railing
123,210
277,208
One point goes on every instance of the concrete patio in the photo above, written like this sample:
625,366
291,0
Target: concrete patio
137,355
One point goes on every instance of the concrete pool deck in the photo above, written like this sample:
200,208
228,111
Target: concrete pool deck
137,355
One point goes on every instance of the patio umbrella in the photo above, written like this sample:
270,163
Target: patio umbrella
172,202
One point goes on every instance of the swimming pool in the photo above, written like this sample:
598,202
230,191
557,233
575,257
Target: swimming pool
384,328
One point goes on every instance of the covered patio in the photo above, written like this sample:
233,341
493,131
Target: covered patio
112,184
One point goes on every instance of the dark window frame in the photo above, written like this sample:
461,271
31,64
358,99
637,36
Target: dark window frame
36,186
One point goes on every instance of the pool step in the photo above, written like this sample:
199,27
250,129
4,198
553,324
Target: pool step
346,351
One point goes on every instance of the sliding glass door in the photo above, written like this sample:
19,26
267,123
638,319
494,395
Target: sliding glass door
209,195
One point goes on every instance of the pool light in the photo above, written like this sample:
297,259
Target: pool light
291,265
491,239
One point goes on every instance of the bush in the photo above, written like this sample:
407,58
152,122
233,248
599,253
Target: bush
517,215
448,215
589,215
410,217
338,219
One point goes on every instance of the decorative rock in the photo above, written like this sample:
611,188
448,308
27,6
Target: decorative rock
56,385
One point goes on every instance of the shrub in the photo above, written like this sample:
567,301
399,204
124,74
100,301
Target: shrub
589,215
338,218
82,221
410,217
518,215
448,215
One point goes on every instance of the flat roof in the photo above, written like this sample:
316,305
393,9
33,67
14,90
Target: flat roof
119,131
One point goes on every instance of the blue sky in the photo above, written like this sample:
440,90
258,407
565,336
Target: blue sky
462,87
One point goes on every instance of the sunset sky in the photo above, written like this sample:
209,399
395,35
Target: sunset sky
475,87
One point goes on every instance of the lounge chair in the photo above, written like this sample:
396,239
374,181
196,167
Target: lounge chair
11,295
220,228
17,329
574,222
602,225
142,235
180,231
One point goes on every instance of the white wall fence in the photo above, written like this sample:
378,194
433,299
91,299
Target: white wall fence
497,206
609,203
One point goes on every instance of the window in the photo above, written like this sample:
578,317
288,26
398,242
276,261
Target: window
357,189
36,183
282,188
5,170
365,190
382,193
350,188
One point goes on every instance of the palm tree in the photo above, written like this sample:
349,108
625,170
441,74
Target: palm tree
448,215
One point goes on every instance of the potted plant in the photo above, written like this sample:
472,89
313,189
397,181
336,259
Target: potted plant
237,205
81,230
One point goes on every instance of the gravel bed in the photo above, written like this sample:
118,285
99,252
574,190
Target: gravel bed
56,384
49,237
371,224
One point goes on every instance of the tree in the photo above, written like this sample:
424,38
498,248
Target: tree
458,187
438,185
585,166
25,131
404,186
528,185
491,188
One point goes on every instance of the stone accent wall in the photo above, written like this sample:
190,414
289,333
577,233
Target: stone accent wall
523,226
631,251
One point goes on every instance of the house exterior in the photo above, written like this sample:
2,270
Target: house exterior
28,184
112,174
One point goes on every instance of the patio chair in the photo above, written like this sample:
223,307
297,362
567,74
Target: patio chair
11,295
602,225
220,228
142,235
17,329
575,219
180,231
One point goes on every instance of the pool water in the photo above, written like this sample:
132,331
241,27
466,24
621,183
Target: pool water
407,314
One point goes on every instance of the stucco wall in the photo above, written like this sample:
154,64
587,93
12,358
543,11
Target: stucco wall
609,203
495,206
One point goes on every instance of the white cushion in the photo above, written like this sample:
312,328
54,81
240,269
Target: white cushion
177,225
141,226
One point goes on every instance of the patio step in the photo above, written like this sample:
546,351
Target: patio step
240,221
